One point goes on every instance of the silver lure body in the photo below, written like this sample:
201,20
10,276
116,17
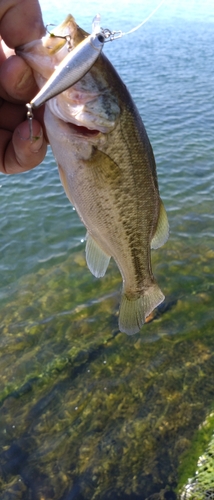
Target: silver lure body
72,68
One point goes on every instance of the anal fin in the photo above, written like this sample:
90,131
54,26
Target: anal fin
162,230
97,260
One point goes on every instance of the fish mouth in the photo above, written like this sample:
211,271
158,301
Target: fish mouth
82,131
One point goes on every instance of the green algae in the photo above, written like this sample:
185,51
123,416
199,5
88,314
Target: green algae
201,485
91,412
202,438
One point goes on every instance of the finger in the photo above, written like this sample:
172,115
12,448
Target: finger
21,21
21,152
17,81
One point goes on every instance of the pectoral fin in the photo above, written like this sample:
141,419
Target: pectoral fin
162,231
64,182
97,260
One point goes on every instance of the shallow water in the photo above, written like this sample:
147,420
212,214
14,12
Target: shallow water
87,412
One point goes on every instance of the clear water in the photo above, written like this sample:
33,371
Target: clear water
86,412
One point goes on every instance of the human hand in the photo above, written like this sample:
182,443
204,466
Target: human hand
20,22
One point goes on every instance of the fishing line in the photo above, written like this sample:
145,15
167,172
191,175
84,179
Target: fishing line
145,20
113,35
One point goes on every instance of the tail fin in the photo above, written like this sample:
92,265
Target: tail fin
133,312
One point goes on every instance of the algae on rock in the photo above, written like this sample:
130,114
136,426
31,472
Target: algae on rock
201,486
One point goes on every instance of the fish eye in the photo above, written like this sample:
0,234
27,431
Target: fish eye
101,38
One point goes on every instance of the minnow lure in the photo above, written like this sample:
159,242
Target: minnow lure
71,69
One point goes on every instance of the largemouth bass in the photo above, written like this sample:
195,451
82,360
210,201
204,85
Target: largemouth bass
107,167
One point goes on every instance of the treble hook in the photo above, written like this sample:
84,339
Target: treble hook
65,37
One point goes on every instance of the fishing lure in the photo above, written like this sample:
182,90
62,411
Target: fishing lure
73,67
